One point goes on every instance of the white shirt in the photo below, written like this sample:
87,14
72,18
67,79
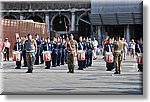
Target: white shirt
132,45
7,44
95,43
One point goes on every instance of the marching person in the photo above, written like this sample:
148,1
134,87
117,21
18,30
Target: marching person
54,52
48,47
39,45
80,47
24,52
42,45
124,48
132,49
63,59
1,54
95,43
117,52
139,50
108,48
85,49
6,49
90,50
59,44
31,49
18,47
72,49
87,52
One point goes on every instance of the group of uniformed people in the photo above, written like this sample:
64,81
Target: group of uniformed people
65,51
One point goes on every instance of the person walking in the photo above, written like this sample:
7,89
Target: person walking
117,52
72,49
6,49
31,49
18,47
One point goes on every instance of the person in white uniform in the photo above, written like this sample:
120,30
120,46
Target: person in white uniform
95,44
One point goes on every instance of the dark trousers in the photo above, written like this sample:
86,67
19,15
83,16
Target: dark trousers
6,55
48,64
18,64
41,58
90,58
37,56
80,64
84,62
54,58
63,59
59,57
24,57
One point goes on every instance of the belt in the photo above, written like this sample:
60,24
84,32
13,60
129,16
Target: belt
118,51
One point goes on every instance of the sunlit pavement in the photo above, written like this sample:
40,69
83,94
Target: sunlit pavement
92,80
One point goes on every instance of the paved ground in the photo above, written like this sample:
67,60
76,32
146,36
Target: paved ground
93,80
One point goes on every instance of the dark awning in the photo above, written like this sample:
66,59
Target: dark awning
116,18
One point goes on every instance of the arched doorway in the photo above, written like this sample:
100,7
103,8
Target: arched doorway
36,18
84,26
60,24
10,17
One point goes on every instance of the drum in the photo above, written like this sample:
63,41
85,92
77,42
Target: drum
81,55
47,56
16,56
109,57
139,58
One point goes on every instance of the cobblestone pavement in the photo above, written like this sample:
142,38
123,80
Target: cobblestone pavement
92,80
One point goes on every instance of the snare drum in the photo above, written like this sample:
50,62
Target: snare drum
16,56
139,58
109,57
81,55
47,56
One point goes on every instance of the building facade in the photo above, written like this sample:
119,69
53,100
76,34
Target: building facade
61,16
117,17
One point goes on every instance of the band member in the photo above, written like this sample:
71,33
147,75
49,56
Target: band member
24,52
80,47
41,54
90,50
54,52
108,48
48,47
95,43
31,49
39,45
117,52
63,59
18,47
72,49
6,50
59,44
85,49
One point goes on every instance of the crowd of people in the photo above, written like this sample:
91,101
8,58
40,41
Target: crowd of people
69,51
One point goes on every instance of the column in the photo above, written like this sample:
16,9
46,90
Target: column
99,34
21,16
47,21
73,20
128,33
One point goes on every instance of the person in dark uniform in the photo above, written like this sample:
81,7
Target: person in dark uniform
48,47
59,44
24,53
90,50
85,49
41,54
63,59
18,47
108,48
80,47
38,41
139,49
87,52
54,52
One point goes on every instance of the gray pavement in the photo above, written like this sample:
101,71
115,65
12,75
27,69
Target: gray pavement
93,80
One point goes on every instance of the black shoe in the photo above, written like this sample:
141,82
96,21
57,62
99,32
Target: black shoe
17,68
29,72
80,68
108,69
116,73
47,67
